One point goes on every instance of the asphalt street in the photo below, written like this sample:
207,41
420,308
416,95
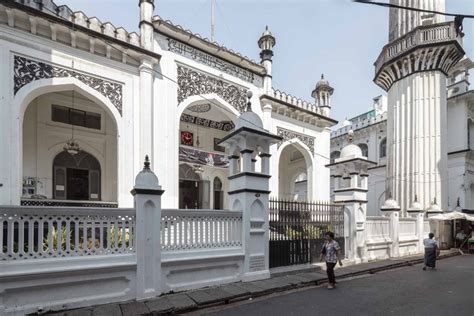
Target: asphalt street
448,290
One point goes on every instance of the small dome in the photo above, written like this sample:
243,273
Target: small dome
266,32
323,83
250,120
415,206
390,204
434,208
346,123
146,179
351,151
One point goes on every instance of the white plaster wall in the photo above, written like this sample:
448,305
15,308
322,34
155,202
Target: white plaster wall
14,41
44,139
376,194
457,126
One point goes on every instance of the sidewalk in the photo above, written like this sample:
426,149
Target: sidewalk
225,294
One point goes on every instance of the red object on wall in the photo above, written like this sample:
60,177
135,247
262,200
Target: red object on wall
187,138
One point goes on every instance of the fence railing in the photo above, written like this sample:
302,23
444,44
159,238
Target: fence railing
377,227
297,230
200,229
45,232
408,227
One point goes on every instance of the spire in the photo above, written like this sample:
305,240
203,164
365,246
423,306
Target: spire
266,43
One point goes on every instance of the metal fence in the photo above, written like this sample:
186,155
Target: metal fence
297,230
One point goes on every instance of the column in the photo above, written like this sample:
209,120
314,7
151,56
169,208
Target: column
147,193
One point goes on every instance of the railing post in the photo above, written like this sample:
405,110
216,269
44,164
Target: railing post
249,191
391,209
147,194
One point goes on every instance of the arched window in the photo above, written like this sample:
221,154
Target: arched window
365,150
218,194
335,155
76,177
383,148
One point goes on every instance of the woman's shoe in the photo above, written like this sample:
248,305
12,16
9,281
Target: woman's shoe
424,268
330,287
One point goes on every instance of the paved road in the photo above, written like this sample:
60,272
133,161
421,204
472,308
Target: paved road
449,290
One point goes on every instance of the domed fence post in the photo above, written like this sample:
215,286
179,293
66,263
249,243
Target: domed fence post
147,193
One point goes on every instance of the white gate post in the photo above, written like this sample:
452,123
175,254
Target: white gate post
416,211
147,193
249,190
392,210
353,166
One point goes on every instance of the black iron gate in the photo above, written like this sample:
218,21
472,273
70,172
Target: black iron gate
297,230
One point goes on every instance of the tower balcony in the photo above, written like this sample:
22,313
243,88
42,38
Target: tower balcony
425,48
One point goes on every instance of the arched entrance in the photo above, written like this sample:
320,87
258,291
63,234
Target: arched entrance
294,172
49,172
76,177
203,163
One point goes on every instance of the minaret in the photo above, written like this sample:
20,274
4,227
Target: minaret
412,68
266,44
322,96
146,79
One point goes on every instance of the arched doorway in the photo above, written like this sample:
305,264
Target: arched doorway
189,187
294,173
202,161
50,121
76,177
218,194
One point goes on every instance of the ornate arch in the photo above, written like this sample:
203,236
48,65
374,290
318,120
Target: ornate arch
192,82
27,70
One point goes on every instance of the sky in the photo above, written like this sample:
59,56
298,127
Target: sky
339,38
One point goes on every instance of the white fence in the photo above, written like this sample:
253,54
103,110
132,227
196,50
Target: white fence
377,227
200,229
408,227
71,257
39,232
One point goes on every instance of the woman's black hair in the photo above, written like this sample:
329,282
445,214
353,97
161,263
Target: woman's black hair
431,235
330,234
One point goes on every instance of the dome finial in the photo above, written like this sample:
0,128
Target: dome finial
322,76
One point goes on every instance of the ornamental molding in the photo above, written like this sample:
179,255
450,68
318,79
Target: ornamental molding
28,70
192,82
425,48
289,135
223,126
209,60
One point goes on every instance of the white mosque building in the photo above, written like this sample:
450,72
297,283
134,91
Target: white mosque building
83,101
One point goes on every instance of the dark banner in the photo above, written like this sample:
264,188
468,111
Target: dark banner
195,156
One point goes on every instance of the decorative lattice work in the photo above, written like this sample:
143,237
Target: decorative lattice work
33,233
199,229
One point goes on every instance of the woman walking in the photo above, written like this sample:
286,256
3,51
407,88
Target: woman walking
431,251
332,253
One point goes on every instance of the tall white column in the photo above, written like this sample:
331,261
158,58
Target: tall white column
403,21
416,139
146,108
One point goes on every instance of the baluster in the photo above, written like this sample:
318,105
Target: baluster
1,236
31,236
93,248
21,236
186,231
124,235
50,238
116,233
68,236
10,237
211,231
109,235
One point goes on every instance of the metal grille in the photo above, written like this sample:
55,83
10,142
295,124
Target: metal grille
297,230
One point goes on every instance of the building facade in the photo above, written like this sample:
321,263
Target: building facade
84,101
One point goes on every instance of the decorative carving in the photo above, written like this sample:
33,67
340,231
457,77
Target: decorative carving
200,108
223,126
28,70
191,82
288,135
209,60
